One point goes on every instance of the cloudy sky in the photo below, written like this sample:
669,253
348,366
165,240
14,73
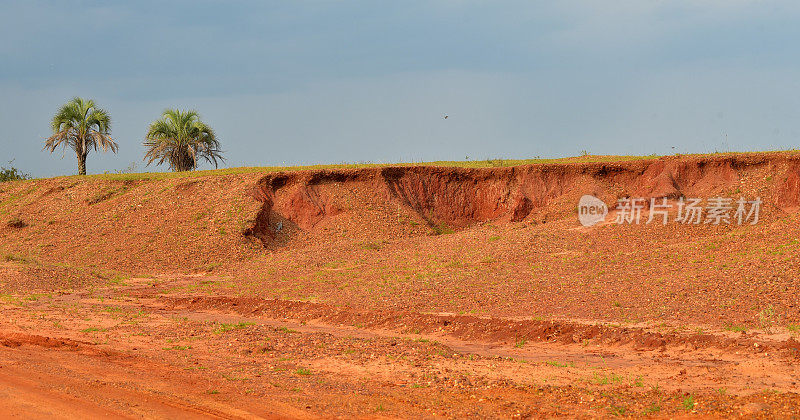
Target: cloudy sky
330,81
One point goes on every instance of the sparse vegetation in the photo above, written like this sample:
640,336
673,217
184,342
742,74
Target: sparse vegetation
178,348
617,410
767,319
652,409
688,403
736,328
12,174
223,327
287,330
441,229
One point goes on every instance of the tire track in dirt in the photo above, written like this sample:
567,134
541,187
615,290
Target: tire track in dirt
478,329
680,364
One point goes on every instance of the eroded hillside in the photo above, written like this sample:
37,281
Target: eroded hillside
401,291
199,223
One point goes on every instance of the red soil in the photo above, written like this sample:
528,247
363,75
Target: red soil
401,292
460,197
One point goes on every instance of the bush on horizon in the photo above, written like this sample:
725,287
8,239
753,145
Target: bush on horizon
12,174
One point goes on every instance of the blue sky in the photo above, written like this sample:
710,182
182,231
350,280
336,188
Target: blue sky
304,82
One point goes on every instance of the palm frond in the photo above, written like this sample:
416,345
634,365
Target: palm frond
80,125
181,139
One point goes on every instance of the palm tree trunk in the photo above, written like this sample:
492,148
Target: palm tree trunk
81,164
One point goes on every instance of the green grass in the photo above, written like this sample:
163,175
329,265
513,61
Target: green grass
442,229
688,403
287,330
92,329
652,409
557,364
222,328
485,163
735,328
606,379
303,371
617,410
177,348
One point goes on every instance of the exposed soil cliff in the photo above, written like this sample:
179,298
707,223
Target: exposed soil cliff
458,197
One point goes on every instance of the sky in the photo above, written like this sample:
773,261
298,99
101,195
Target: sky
333,81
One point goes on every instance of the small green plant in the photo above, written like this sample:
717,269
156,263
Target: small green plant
303,371
557,364
735,328
767,319
442,229
652,409
606,379
520,342
688,403
287,330
222,328
177,348
617,410
92,329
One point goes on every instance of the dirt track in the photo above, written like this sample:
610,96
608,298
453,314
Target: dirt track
408,293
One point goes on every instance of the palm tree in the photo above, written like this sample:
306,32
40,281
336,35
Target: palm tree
181,139
81,125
